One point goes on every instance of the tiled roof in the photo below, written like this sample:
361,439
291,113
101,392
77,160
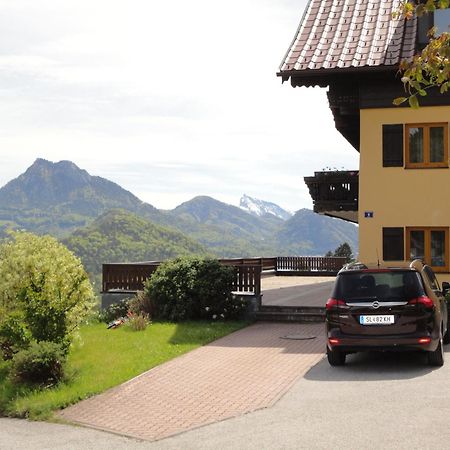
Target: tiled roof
337,34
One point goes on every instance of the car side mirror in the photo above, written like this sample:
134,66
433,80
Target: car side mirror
445,287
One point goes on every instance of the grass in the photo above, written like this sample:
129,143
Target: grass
101,358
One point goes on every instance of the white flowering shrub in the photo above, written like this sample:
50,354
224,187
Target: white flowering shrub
44,292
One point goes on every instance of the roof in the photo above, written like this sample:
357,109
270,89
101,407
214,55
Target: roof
349,34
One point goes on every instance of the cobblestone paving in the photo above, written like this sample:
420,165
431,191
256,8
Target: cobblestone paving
242,372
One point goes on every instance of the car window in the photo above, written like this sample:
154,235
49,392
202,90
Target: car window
380,285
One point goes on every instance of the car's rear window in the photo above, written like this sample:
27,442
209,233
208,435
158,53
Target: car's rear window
381,285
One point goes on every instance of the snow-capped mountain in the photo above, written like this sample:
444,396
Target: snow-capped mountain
260,207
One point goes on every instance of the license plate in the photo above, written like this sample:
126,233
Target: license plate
376,320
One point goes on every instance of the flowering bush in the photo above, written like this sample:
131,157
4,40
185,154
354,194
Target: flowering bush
44,294
193,288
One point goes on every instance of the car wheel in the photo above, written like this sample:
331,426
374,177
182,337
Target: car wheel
436,358
335,357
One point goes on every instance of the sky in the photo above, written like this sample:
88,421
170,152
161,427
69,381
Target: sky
168,99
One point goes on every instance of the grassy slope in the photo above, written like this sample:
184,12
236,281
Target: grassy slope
103,358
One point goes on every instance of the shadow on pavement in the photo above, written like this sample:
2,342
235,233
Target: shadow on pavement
372,366
276,335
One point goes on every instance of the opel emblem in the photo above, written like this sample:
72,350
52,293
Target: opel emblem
375,305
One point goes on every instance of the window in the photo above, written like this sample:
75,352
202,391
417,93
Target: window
393,244
393,145
426,145
442,21
429,245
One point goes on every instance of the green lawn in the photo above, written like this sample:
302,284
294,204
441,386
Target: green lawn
101,358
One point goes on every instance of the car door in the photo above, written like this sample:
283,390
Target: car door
433,284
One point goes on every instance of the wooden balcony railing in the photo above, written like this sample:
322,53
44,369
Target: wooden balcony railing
335,191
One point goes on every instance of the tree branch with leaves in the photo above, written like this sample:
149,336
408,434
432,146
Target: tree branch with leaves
431,67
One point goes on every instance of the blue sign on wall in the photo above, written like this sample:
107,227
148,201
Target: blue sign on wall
368,214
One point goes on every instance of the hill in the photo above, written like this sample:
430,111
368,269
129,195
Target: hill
249,234
308,233
57,198
121,236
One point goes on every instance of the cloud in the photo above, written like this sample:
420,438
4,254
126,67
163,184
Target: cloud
171,99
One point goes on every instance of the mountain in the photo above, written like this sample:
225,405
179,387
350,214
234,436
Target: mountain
121,236
260,208
308,233
57,198
60,198
247,234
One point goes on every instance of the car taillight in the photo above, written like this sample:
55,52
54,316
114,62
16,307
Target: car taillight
332,303
334,341
425,301
425,340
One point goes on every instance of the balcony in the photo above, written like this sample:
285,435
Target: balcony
335,193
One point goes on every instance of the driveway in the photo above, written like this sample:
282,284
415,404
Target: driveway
389,401
296,291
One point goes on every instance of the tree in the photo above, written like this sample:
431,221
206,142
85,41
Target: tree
344,250
45,292
430,68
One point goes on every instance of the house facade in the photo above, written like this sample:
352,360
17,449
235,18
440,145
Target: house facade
400,194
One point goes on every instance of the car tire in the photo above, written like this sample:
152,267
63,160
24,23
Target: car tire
335,357
436,358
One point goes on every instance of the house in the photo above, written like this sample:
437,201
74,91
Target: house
400,194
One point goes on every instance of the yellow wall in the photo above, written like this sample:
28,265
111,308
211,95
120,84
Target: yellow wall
398,197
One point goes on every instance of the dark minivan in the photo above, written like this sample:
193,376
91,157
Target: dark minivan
386,309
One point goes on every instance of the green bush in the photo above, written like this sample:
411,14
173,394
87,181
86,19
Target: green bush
41,363
14,334
193,288
115,311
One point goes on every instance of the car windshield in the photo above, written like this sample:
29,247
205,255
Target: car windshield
380,285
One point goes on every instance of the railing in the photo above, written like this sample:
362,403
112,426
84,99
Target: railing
334,190
265,263
132,276
310,264
248,279
127,277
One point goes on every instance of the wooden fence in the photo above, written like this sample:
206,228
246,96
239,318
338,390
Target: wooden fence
310,264
126,277
130,277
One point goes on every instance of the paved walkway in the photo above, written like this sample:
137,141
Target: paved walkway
242,372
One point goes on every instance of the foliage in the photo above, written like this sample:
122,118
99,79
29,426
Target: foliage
119,236
14,334
193,288
137,322
92,357
431,67
41,363
45,291
115,311
141,304
344,250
